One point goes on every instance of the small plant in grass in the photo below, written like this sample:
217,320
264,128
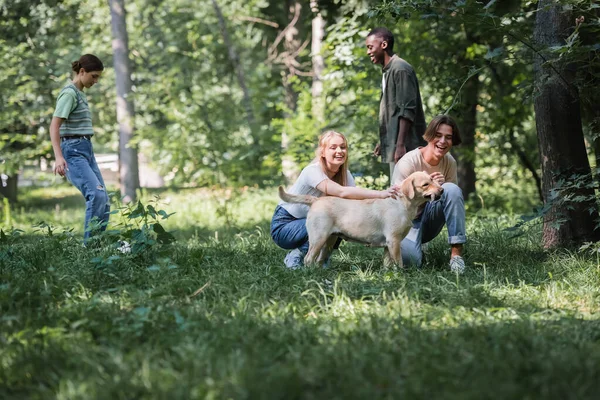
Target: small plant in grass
593,248
10,236
141,227
227,200
50,231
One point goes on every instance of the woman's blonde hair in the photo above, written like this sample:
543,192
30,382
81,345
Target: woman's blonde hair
341,177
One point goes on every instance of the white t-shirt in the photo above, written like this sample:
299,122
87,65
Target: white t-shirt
413,161
307,183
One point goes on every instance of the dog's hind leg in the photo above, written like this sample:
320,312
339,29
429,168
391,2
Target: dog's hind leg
327,249
314,249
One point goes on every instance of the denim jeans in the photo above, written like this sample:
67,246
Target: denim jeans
449,210
84,174
289,232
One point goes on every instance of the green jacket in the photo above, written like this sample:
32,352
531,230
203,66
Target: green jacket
400,98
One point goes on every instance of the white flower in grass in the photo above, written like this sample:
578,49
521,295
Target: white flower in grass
125,247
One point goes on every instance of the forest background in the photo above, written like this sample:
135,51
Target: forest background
234,93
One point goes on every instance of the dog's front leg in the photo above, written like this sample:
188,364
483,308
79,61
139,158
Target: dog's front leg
387,258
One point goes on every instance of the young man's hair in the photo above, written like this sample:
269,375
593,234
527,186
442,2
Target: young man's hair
433,126
384,34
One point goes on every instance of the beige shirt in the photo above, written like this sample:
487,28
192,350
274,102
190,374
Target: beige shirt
413,161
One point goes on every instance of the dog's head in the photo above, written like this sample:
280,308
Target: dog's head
419,186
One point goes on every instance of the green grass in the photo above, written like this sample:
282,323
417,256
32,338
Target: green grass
84,323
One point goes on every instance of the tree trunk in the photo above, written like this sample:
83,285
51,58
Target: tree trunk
467,121
10,190
560,134
596,141
128,157
318,63
291,44
235,63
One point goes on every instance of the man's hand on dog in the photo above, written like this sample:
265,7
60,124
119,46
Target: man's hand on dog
438,178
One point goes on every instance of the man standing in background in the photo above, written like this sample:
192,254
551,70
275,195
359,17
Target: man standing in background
401,117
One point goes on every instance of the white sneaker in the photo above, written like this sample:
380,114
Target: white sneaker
294,259
457,264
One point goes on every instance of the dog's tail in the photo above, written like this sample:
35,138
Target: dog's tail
296,198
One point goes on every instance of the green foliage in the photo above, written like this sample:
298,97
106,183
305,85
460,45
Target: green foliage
32,38
190,118
571,190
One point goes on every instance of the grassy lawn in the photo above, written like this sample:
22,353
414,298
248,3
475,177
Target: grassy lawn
215,314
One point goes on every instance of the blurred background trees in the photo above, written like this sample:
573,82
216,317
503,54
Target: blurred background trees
235,93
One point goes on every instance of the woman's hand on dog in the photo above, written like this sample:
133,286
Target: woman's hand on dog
393,191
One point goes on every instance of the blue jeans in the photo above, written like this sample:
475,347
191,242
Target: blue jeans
289,232
84,174
449,210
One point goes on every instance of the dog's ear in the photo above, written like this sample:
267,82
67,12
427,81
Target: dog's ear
408,188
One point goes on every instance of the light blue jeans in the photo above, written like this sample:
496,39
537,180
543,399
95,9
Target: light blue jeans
84,174
449,210
289,232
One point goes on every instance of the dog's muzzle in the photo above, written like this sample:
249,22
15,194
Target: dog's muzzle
434,196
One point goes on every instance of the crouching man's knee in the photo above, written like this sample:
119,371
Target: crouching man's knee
452,190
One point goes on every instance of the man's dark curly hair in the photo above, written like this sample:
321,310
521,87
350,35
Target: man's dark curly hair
384,34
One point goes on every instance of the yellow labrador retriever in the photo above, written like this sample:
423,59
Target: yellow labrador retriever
375,222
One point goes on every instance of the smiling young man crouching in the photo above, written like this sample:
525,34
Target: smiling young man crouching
441,134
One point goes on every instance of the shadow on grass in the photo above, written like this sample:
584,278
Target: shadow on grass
276,355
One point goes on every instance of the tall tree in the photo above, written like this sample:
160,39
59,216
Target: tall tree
318,63
293,46
128,156
465,153
237,67
560,134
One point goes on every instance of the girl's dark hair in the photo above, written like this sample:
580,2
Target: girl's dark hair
433,126
88,62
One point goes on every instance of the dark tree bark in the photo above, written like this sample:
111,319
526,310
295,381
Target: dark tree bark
467,121
560,134
128,156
